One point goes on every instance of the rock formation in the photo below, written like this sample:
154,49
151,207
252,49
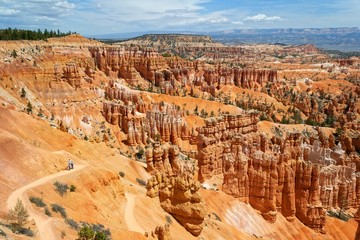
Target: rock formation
157,121
160,233
179,196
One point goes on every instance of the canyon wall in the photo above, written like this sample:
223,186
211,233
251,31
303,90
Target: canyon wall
295,176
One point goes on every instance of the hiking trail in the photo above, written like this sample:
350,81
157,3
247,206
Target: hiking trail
43,222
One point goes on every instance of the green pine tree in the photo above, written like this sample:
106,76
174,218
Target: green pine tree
19,215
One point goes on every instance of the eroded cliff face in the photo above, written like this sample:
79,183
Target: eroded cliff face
142,120
295,175
172,74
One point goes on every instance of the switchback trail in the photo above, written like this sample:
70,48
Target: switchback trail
42,221
130,220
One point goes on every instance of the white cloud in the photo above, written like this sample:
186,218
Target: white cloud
262,18
162,15
29,10
44,18
50,14
8,12
237,23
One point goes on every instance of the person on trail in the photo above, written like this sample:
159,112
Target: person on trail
72,164
69,164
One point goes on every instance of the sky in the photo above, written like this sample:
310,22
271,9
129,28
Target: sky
91,17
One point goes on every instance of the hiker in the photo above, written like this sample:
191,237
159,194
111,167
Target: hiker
72,164
69,164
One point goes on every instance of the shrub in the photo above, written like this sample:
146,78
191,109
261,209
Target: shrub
263,117
47,212
122,174
297,117
61,188
86,233
107,232
2,233
98,227
72,223
94,231
59,209
140,153
41,113
339,215
168,219
26,231
216,217
285,120
338,132
141,182
311,122
37,201
29,108
101,232
13,54
100,236
329,121
72,188
23,93
63,234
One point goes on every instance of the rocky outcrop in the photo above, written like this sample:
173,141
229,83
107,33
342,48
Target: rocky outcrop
173,181
158,121
69,73
128,63
160,233
254,78
211,137
307,195
179,196
163,159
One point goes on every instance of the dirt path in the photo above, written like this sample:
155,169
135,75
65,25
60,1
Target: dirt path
42,221
130,220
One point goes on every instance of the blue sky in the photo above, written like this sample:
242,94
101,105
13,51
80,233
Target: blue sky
91,17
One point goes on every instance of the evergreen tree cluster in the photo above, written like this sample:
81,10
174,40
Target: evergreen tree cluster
19,34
